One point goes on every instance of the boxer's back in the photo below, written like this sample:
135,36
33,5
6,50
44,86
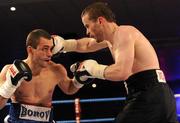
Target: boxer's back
145,56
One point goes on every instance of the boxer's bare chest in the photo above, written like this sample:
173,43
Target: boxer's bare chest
38,90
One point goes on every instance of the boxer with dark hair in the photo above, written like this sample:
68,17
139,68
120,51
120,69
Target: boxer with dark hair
30,83
149,99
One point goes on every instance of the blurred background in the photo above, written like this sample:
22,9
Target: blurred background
158,20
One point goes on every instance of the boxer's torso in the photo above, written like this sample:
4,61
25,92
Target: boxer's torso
144,54
40,89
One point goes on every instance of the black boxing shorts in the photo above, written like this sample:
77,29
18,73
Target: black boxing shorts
23,113
149,99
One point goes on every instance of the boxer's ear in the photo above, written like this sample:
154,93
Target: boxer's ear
29,49
100,20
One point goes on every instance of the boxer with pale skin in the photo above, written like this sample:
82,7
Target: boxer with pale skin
149,98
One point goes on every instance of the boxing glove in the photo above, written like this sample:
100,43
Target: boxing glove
16,73
81,77
87,70
61,45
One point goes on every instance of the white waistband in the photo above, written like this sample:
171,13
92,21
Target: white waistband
36,113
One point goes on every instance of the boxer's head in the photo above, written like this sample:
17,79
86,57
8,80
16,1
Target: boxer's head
39,46
34,36
94,17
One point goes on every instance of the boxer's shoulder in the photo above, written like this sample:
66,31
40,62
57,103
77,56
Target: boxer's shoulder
56,68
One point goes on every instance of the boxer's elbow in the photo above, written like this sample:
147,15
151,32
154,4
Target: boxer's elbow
118,77
67,92
71,92
123,76
1,107
117,74
2,102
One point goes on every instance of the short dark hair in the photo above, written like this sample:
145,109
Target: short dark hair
34,36
98,9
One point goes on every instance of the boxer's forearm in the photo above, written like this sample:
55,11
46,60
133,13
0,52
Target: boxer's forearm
3,102
72,88
116,73
89,45
68,87
92,69
81,45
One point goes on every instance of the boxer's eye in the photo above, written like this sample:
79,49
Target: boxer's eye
45,49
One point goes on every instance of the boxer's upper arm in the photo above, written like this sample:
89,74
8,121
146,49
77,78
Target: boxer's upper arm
125,55
90,45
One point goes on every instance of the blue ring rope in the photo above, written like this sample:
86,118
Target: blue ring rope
95,100
91,100
87,100
87,120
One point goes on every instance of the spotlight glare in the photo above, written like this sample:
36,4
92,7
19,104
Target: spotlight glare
94,85
13,8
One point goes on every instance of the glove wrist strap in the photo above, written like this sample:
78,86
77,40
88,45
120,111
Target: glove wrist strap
7,90
70,45
100,71
76,83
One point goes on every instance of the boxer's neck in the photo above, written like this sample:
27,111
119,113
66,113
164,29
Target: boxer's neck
35,68
110,30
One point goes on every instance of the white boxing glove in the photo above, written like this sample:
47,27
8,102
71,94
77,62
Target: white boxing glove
94,69
61,45
16,73
90,69
81,76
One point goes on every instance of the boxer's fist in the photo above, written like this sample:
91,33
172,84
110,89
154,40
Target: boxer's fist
80,73
85,71
92,69
16,73
61,45
58,44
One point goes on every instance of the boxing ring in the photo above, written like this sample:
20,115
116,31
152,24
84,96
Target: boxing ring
77,108
77,102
